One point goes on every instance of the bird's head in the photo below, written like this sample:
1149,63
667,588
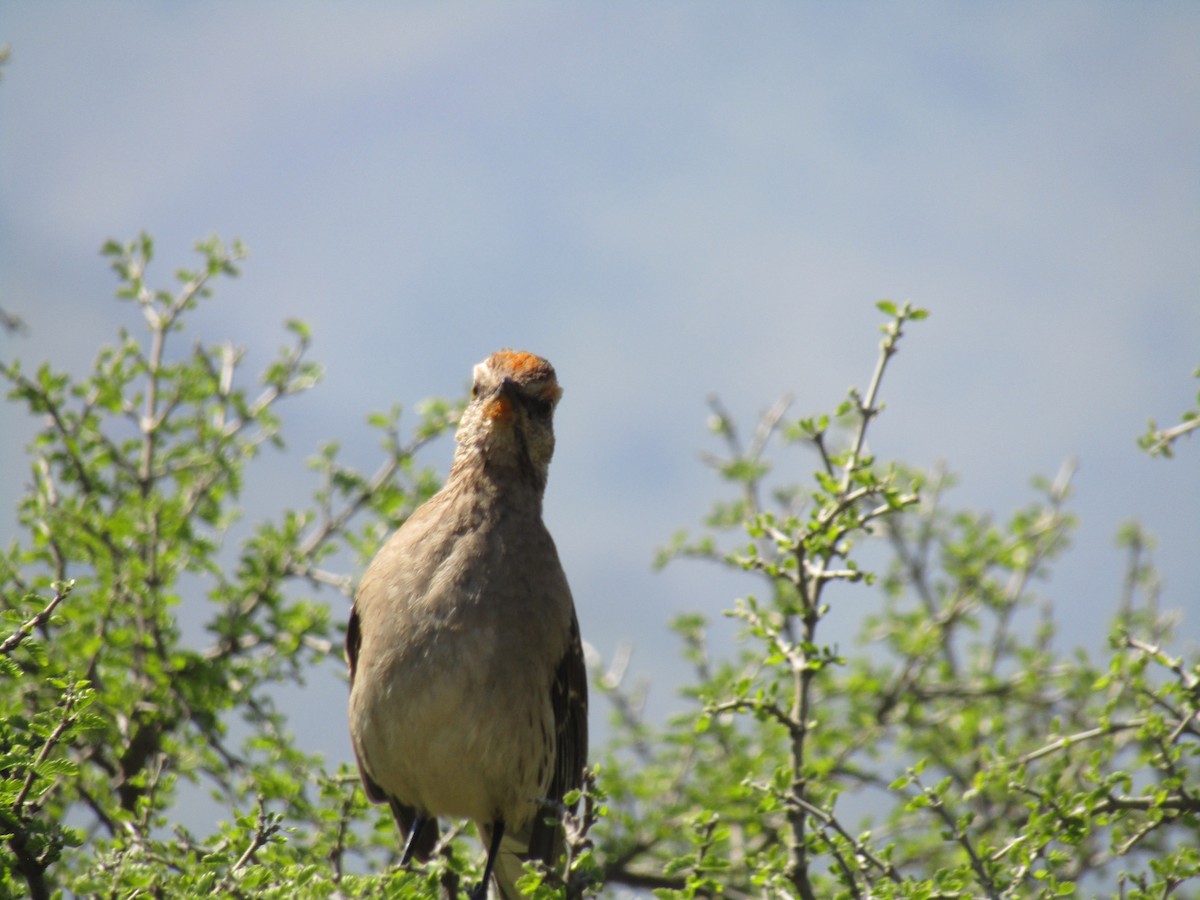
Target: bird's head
508,424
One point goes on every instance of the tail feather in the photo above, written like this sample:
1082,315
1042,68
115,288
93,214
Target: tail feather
510,866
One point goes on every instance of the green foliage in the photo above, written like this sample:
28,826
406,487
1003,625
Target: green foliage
1158,442
107,704
954,750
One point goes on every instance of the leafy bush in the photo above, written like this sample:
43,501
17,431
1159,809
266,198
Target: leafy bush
954,752
108,705
992,765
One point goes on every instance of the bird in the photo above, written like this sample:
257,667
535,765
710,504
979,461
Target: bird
468,687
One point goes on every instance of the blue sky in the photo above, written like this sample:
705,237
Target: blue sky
666,200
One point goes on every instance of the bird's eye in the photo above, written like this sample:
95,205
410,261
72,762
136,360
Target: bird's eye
474,391
539,406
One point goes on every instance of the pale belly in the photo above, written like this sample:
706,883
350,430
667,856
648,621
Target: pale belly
439,742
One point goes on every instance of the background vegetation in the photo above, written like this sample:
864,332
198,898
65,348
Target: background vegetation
959,748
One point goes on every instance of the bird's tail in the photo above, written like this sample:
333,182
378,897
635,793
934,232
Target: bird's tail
510,865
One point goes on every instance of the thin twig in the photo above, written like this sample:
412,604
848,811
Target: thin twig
27,628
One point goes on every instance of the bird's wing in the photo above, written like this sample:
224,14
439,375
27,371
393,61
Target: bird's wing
374,792
568,695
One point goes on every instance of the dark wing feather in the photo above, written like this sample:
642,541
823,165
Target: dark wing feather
353,642
422,844
568,696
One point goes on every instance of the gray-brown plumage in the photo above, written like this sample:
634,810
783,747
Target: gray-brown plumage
468,693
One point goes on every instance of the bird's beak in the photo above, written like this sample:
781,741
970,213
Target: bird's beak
499,407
